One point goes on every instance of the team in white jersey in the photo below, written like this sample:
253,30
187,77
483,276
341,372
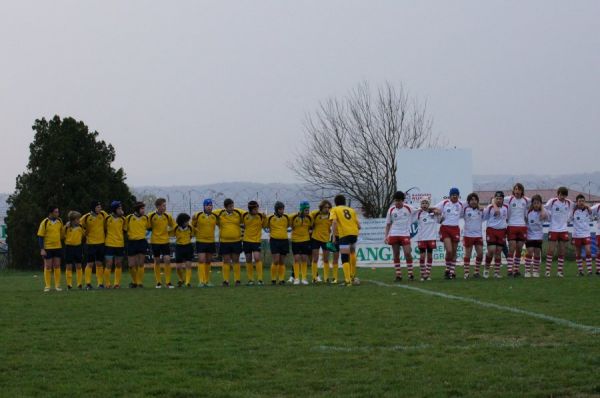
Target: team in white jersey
517,218
397,233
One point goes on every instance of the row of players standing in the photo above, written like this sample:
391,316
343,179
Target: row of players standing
110,237
517,218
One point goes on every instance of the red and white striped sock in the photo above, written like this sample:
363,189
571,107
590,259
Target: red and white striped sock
598,261
429,264
509,261
467,265
536,264
517,263
561,262
578,260
589,264
498,264
548,263
410,268
422,268
452,267
398,268
528,264
478,262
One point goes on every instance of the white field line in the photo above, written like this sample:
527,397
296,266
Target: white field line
559,321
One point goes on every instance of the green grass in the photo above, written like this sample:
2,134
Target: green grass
322,341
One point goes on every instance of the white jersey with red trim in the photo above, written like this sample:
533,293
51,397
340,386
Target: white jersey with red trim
400,219
451,212
535,225
496,221
428,225
517,210
473,222
581,219
596,215
560,211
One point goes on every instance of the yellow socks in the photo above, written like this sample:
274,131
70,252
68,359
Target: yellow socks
140,273
133,274
334,271
180,274
274,271
296,270
347,276
314,269
325,270
188,276
100,275
79,273
207,273
237,272
88,274
69,276
352,265
281,272
226,272
249,270
304,270
201,274
167,272
259,270
107,272
118,274
157,276
47,277
57,277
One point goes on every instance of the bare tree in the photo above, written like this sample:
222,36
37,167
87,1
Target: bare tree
351,144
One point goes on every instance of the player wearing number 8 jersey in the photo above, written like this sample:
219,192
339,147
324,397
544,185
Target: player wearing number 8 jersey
345,224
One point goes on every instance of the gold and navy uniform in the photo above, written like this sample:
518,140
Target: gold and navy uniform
301,226
136,228
278,232
230,231
184,250
115,236
204,225
160,225
73,243
347,223
321,230
253,227
52,232
93,224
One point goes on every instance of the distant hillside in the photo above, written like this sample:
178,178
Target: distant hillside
584,182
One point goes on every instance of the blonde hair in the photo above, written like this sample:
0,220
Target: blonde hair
74,215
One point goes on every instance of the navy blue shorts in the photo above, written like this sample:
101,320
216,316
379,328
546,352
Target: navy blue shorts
348,240
279,246
184,253
230,248
206,248
135,247
301,247
317,244
94,253
162,249
251,247
73,254
114,251
53,253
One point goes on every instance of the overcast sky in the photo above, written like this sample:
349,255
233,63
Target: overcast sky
194,92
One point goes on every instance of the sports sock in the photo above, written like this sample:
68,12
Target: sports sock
167,272
118,274
281,272
79,273
325,270
314,270
347,276
259,270
467,265
107,272
47,277
548,263
249,270
140,272
180,274
237,271
88,274
353,265
561,262
334,271
304,270
188,276
226,272
57,276
207,273
201,273
296,268
69,276
157,276
100,275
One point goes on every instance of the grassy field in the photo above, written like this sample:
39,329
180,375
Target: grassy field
377,339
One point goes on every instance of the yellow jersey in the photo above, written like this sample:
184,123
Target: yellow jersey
183,236
51,231
115,231
301,227
253,225
93,224
321,229
136,227
73,235
278,226
160,225
230,225
204,226
347,222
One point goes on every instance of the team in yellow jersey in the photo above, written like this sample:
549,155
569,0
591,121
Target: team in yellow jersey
108,238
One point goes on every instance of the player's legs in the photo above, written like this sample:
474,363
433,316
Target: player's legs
489,256
304,269
517,258
512,246
56,268
249,266
99,273
561,248
188,273
498,260
274,267
108,265
167,269
478,258
226,269
118,271
69,275
588,258
467,259
133,269
335,267
345,254
256,255
449,249
353,262
409,260
296,268
550,256
237,270
157,274
396,259
141,270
